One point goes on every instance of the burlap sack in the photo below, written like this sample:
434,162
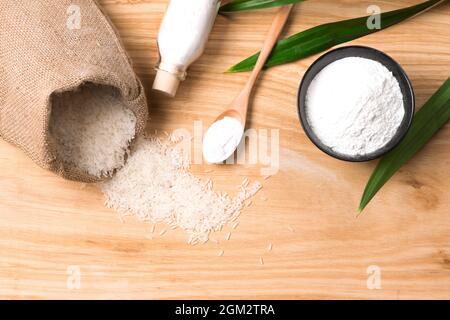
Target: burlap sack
53,46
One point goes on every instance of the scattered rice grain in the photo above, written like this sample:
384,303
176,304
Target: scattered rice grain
155,184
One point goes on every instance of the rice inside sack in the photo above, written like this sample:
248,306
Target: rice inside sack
92,129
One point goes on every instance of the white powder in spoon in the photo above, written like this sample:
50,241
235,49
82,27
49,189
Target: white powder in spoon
355,106
222,139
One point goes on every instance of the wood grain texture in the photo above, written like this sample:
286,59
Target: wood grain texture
48,224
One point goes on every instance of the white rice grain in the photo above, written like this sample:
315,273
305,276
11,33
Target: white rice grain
155,184
91,129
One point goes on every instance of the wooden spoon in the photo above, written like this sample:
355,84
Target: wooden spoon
239,107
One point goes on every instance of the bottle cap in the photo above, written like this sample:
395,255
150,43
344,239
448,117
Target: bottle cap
166,83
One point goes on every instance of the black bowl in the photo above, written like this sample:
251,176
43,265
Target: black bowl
363,52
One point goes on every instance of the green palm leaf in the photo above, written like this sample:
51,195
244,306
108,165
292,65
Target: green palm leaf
243,5
323,37
433,115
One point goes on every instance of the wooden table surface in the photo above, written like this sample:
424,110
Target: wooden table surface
54,232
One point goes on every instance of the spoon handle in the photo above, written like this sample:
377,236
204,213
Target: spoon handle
241,102
272,37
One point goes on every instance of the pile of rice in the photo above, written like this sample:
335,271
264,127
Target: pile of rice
92,129
155,185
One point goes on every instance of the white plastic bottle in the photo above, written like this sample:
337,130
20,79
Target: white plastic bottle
182,38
